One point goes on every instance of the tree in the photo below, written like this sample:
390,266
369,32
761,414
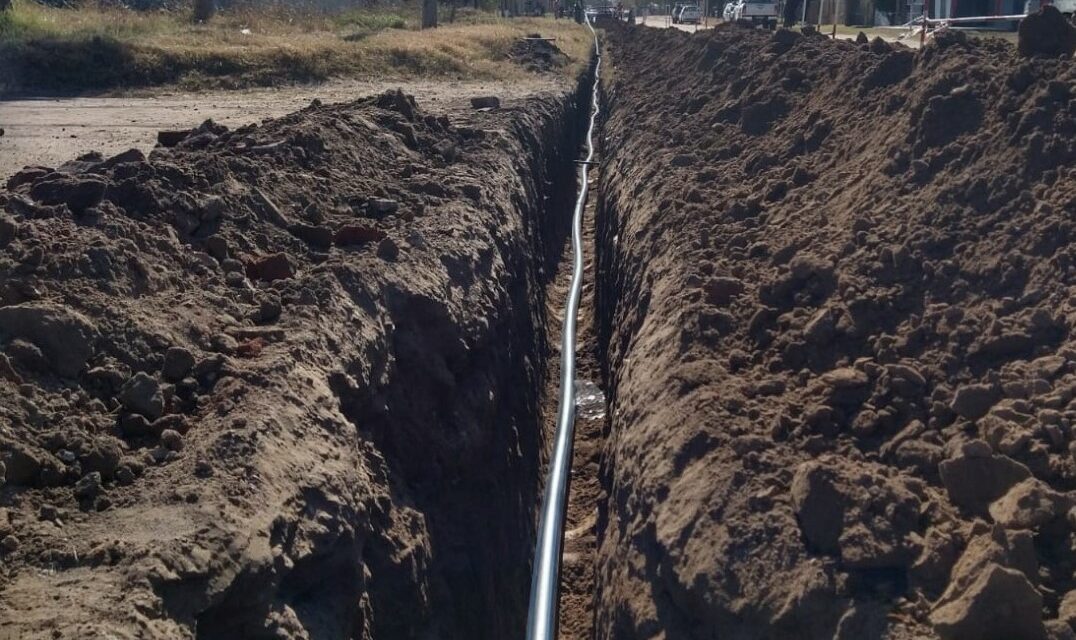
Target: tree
429,14
203,10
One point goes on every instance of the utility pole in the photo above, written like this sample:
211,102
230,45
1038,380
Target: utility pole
429,14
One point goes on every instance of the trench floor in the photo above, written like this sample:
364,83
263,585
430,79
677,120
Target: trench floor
585,492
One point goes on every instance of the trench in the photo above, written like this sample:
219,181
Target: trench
587,492
476,482
459,426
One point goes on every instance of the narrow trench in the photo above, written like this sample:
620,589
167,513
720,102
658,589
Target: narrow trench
585,490
477,490
485,579
412,511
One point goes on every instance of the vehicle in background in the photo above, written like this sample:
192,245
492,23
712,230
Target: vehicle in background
602,12
759,12
676,13
1066,7
690,15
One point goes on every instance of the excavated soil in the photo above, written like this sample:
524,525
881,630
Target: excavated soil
282,381
295,380
537,54
55,130
837,296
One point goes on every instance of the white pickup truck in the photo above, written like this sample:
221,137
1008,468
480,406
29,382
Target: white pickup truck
761,12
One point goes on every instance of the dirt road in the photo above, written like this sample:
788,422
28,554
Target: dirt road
50,131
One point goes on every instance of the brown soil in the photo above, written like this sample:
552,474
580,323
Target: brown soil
295,380
281,381
837,294
586,493
51,131
1047,33
538,55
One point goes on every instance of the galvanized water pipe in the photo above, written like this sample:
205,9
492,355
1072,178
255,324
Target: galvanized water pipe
545,579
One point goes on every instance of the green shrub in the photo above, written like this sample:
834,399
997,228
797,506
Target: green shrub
371,21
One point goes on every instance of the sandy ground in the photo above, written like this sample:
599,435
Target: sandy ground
50,131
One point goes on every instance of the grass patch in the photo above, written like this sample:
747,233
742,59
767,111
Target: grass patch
47,50
371,21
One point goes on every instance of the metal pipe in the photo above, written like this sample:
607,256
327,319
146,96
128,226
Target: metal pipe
1018,16
545,579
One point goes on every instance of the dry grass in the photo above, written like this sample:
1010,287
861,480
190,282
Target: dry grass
44,49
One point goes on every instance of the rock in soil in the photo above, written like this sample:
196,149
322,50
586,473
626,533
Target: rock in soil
64,335
178,362
998,604
486,102
142,394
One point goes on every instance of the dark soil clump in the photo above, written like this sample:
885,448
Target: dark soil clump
1047,33
537,55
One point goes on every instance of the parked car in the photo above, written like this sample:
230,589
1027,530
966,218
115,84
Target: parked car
690,15
760,12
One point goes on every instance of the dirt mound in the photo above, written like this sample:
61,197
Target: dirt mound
838,302
239,376
1047,33
537,55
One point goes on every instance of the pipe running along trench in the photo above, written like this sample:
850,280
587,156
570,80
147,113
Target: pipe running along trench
545,579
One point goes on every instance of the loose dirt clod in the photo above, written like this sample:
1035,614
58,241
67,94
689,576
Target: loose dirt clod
1047,33
838,303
